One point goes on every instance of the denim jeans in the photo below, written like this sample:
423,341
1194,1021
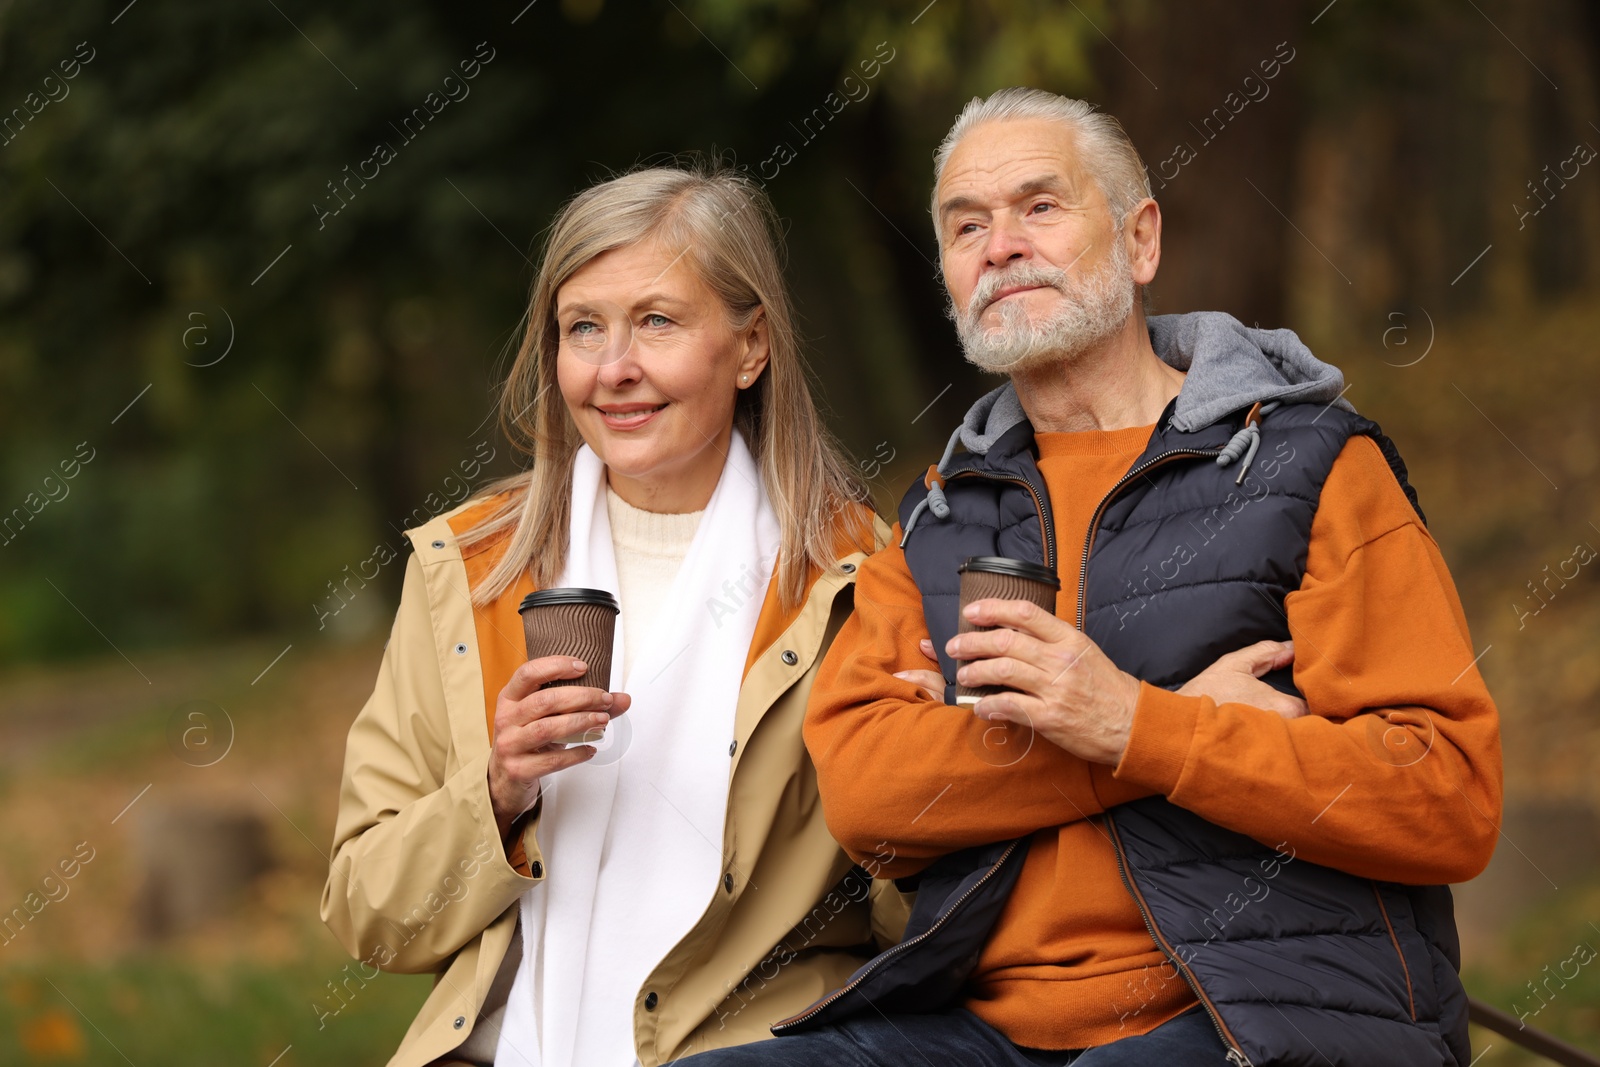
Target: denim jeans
956,1036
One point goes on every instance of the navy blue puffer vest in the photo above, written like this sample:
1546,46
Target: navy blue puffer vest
1297,964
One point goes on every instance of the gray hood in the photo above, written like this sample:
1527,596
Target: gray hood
1230,366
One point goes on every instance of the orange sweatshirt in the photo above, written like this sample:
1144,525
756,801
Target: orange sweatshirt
1395,773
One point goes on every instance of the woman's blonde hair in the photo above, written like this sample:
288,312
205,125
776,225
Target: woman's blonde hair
730,234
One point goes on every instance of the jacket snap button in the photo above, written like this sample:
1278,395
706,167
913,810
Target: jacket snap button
789,657
727,881
848,568
733,747
650,1002
536,868
438,544
461,1020
461,649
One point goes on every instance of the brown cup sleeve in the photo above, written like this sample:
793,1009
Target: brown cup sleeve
583,631
983,585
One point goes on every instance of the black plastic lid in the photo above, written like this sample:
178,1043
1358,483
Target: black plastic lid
545,598
1016,568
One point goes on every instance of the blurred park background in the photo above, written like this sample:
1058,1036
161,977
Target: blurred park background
230,375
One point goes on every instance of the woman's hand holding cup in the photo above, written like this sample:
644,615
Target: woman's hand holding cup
529,717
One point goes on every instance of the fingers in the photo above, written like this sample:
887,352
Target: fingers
1256,659
561,700
521,759
1015,658
1270,656
987,644
536,735
525,747
1290,707
930,682
926,645
1022,615
1016,708
524,770
535,766
1011,673
536,672
559,759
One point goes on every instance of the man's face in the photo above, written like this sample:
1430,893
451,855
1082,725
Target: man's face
1036,267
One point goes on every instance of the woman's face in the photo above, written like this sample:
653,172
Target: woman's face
650,367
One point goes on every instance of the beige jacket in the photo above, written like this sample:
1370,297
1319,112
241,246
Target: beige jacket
421,882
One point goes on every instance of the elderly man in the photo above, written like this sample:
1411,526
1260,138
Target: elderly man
1111,870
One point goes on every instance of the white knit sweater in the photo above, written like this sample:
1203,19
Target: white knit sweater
650,546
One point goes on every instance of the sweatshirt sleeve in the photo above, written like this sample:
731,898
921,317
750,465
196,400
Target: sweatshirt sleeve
919,778
1395,773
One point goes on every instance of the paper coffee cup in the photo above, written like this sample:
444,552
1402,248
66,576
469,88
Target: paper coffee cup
575,622
985,577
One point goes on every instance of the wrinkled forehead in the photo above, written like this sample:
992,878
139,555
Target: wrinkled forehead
1000,160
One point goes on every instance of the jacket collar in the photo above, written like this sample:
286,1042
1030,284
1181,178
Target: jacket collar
495,629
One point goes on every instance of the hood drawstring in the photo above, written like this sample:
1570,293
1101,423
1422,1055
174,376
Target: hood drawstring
1246,441
1243,443
934,480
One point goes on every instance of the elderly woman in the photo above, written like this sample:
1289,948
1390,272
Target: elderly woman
672,888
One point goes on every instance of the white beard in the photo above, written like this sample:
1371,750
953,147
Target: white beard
1094,308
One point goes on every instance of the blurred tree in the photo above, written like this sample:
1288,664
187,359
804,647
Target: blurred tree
282,343
1210,94
205,185
1428,128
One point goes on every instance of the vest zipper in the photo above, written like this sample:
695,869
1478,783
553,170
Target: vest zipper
1235,1052
1405,968
1045,521
886,953
1099,509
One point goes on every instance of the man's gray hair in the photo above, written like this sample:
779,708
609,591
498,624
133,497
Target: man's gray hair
1103,145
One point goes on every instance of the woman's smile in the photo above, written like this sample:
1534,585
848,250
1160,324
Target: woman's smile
665,340
627,417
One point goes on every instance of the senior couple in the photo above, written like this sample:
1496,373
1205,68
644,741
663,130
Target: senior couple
1209,819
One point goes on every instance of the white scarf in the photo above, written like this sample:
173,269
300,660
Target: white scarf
632,839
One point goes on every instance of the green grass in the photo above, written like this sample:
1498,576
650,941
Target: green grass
179,1013
1566,1007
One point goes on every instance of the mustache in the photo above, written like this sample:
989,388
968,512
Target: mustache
1019,274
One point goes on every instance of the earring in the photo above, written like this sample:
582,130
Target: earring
745,378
